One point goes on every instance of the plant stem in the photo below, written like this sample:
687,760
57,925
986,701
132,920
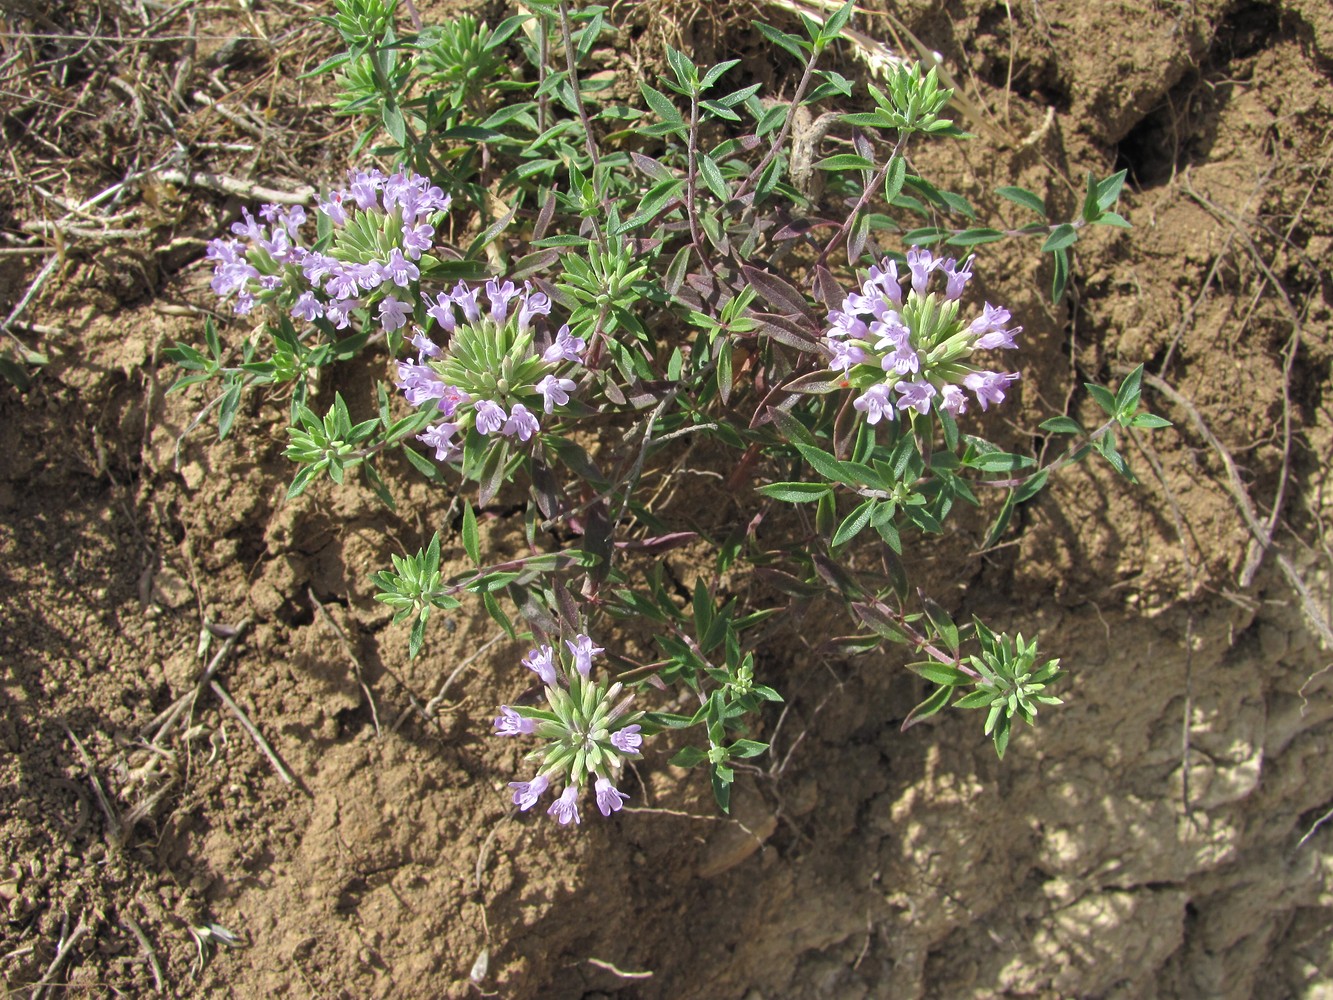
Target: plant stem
692,179
785,131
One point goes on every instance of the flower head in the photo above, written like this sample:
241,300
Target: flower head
917,340
587,727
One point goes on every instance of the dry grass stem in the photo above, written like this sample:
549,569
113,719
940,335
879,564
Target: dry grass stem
254,732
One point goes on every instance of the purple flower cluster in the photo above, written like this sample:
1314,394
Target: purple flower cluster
489,375
587,730
907,349
371,262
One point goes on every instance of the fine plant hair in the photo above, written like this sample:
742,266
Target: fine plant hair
641,285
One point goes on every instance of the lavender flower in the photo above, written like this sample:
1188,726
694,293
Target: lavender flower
609,799
466,299
958,276
401,272
526,793
952,400
425,346
915,395
541,661
418,239
554,391
921,263
886,277
566,808
441,438
307,307
490,417
393,314
500,296
521,423
442,311
534,304
845,356
452,399
583,651
989,387
627,740
510,723
876,404
419,383
567,347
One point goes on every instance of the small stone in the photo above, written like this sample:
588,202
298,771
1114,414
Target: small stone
193,475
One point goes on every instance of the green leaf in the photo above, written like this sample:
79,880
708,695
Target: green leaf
853,524
999,461
497,614
795,492
790,44
980,698
836,22
943,624
713,178
470,543
1127,396
394,123
1150,421
662,106
1001,522
975,237
1062,425
894,177
1060,276
1062,236
747,748
231,402
1113,219
418,634
1030,487
1103,397
925,235
722,778
845,161
939,673
928,707
1108,191
724,369
689,757
1024,197
828,466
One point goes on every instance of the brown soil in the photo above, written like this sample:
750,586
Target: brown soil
1153,837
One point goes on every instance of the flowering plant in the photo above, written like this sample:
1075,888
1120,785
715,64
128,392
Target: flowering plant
631,317
588,730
